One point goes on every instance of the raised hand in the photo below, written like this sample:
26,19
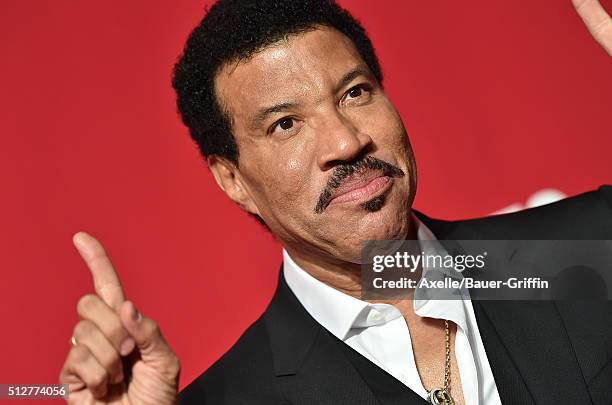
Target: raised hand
118,356
597,21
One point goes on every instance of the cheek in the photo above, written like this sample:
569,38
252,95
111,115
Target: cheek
287,179
393,122
386,129
375,117
292,179
294,166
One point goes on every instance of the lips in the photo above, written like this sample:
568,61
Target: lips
359,186
365,179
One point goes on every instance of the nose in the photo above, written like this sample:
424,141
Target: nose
340,141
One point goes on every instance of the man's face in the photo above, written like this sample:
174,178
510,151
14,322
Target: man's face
324,156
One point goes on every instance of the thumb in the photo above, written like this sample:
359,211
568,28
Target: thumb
154,350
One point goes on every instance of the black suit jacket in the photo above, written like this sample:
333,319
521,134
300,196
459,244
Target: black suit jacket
540,352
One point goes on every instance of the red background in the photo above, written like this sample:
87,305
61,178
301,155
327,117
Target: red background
500,99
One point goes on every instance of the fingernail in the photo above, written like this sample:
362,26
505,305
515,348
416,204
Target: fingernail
127,346
135,314
76,239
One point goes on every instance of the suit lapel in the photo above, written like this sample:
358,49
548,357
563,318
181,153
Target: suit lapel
535,338
309,367
314,367
388,390
532,333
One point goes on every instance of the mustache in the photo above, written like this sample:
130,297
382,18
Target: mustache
342,171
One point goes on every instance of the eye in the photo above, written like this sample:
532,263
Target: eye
359,93
286,123
354,92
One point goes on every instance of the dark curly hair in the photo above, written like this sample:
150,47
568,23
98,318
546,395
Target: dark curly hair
233,30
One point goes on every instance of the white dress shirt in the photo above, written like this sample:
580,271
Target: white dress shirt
380,333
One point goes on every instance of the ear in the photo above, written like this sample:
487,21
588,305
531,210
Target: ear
228,177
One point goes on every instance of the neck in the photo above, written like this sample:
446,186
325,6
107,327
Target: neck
344,276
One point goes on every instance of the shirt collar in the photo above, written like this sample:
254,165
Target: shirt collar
451,309
339,313
334,310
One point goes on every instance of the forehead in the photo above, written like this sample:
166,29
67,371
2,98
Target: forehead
303,65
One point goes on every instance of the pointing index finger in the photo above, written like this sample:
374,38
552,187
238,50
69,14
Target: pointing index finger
106,281
597,21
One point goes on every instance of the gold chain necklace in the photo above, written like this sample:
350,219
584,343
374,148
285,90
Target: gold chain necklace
441,396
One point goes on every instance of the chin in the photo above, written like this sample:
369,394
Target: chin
383,231
386,217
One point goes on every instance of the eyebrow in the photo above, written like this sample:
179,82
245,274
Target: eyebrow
352,75
263,113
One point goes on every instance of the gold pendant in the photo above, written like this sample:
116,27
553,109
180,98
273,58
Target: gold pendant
439,396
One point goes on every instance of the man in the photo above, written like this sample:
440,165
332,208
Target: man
290,113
